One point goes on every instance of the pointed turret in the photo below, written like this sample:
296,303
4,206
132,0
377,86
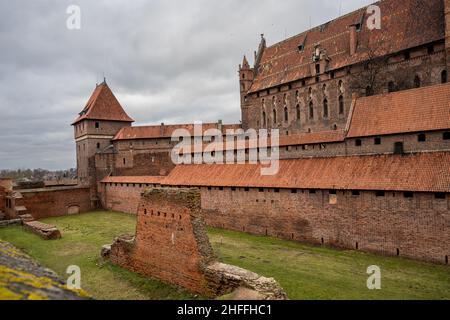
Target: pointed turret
258,55
245,65
95,127
103,105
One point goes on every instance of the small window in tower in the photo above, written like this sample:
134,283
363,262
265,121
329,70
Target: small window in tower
98,145
446,135
124,161
311,110
422,137
408,194
380,194
325,108
398,148
417,81
439,195
444,76
391,86
341,105
97,125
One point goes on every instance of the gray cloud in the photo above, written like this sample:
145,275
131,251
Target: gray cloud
167,61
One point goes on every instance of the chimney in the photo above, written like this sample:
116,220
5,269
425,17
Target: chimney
220,125
162,129
353,39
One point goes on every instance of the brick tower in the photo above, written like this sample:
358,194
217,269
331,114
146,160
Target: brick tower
95,127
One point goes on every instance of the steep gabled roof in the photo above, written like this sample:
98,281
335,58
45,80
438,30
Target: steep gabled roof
103,105
405,24
416,110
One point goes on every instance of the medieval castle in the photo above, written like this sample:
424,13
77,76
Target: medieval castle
364,120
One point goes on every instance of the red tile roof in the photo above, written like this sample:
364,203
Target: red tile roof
135,179
103,105
422,109
423,172
165,131
313,138
405,24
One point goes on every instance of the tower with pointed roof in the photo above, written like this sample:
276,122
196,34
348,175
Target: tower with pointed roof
95,127
246,76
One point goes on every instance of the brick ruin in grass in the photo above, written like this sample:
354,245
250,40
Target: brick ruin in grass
171,245
45,231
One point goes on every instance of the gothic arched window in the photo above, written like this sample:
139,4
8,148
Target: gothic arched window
325,108
311,110
286,114
298,112
274,116
341,105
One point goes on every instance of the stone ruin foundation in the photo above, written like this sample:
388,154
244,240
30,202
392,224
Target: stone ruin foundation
171,245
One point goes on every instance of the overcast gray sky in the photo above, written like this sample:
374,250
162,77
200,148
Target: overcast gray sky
166,61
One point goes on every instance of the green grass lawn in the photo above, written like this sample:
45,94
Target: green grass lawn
305,272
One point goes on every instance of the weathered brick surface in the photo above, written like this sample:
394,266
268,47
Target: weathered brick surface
124,197
170,242
44,203
417,227
45,231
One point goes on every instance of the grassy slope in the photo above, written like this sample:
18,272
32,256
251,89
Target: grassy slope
305,272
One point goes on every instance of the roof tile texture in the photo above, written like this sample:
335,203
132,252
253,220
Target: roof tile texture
423,172
422,109
405,24
103,105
